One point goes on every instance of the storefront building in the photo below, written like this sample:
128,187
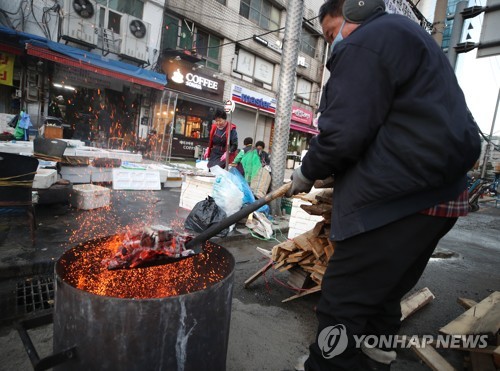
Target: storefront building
301,130
184,115
103,101
253,115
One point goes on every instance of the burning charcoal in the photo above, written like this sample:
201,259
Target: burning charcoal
151,244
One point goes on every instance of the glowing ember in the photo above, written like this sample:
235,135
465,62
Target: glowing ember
81,267
149,245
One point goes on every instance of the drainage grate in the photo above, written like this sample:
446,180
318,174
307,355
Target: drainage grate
35,294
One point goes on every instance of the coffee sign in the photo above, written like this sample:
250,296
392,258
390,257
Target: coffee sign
182,77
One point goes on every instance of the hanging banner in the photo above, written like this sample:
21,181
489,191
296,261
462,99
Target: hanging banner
6,69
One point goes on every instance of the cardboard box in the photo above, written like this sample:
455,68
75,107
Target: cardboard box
53,132
89,196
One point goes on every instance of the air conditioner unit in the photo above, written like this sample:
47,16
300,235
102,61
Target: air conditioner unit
135,34
78,22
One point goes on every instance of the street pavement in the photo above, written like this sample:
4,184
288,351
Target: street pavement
265,334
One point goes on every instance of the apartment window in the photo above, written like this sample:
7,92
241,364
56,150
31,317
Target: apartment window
209,47
308,42
255,67
132,7
303,90
223,2
181,34
261,12
170,32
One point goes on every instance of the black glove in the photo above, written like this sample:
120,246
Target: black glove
299,183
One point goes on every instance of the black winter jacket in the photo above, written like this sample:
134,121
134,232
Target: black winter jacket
395,130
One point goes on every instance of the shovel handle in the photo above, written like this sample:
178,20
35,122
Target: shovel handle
242,213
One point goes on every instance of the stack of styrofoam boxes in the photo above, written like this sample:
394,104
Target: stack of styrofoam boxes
89,196
301,221
136,179
195,189
76,174
101,174
169,176
124,155
44,178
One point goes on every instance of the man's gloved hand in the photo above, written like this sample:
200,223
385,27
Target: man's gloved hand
299,183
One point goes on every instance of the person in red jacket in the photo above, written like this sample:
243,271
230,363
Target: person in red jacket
216,151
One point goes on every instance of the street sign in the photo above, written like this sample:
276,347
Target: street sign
229,106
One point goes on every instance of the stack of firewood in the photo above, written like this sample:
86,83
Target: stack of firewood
310,251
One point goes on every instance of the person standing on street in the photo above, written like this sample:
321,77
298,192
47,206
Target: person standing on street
216,151
396,134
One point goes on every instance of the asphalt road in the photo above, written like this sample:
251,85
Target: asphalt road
267,334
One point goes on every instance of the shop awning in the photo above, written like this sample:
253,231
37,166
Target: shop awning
305,129
68,55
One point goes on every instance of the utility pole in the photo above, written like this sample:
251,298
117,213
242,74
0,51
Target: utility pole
289,56
456,33
488,145
439,24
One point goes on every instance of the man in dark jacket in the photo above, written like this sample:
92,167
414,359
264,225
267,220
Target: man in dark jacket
396,134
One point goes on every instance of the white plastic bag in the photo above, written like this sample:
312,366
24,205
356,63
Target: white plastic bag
226,194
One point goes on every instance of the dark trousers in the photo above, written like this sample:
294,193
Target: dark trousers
366,278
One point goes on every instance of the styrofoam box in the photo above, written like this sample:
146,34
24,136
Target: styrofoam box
89,196
170,177
140,180
44,178
76,174
101,174
300,221
195,189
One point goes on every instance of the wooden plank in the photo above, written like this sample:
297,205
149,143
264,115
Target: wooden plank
482,318
415,301
259,273
288,245
298,278
299,254
320,269
265,252
317,277
303,293
318,209
466,303
302,241
482,362
328,251
432,358
286,267
318,228
279,265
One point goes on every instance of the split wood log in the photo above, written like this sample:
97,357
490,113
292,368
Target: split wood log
482,318
432,358
415,301
466,303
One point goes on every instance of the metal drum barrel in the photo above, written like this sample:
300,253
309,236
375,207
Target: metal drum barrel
188,331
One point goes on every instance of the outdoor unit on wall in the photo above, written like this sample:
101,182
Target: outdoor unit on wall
78,22
135,34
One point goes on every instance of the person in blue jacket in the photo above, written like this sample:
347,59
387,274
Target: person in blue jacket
396,134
